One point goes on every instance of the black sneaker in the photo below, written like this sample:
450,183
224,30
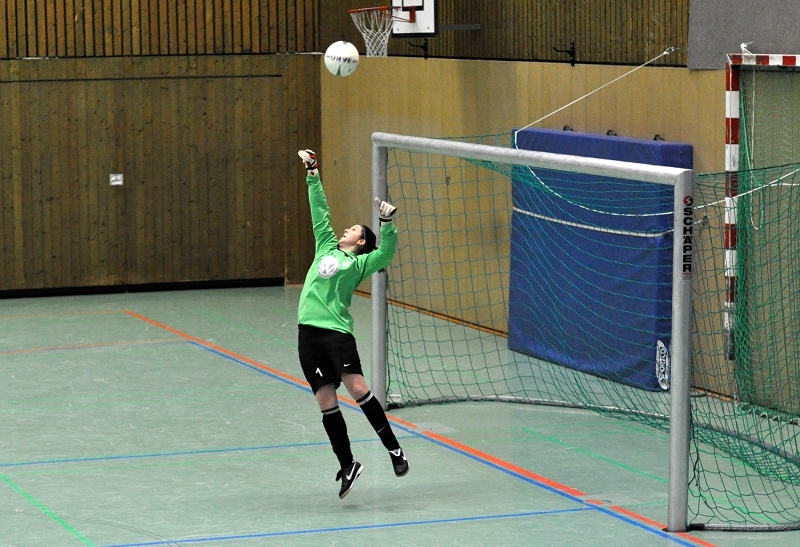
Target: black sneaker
399,462
348,476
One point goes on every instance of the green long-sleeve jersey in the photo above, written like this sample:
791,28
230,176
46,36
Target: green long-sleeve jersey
334,275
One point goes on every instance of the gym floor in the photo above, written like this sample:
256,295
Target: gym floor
181,418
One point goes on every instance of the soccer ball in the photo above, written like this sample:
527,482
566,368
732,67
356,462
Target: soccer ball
341,58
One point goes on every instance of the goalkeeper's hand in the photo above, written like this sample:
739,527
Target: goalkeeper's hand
385,210
309,159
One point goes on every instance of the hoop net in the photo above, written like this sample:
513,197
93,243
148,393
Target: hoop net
375,25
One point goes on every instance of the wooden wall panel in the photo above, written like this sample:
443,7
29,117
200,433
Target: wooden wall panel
206,146
113,28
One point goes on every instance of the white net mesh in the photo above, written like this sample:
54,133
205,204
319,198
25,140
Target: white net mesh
375,25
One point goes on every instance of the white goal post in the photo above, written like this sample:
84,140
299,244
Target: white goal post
681,353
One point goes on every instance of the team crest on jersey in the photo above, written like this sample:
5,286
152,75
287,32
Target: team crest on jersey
328,266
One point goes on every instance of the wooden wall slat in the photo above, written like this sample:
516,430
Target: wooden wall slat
17,155
271,28
68,29
192,124
4,50
50,27
236,14
174,37
253,29
201,203
30,171
149,27
135,165
135,33
146,231
37,24
218,25
125,28
142,36
6,185
182,26
167,207
161,206
22,29
208,26
80,36
175,139
98,28
73,180
192,38
112,20
47,124
162,30
87,28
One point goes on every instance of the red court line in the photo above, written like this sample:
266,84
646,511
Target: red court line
435,436
220,349
505,465
95,345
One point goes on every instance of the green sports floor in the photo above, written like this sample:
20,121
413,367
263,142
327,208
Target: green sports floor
181,418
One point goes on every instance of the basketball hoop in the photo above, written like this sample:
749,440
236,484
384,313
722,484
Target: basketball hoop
375,25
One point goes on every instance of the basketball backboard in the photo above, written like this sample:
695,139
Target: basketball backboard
414,19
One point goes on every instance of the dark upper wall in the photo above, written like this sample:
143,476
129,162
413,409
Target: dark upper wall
604,31
718,28
105,28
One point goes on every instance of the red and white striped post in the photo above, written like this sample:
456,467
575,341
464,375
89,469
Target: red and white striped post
731,193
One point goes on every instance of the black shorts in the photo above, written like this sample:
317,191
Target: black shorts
327,354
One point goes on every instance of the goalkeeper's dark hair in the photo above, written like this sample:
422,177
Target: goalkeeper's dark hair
369,238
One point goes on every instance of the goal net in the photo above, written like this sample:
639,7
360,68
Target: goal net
745,428
553,284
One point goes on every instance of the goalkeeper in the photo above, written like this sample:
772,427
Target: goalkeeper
327,348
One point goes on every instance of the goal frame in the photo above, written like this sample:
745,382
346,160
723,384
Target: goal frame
682,256
733,68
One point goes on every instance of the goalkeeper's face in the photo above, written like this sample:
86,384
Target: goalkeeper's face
353,238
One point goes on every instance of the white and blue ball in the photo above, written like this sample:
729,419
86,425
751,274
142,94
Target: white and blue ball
341,58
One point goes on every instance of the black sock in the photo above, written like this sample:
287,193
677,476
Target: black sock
377,418
336,428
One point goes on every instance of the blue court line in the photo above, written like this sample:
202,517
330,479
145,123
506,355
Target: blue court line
181,453
251,367
667,535
352,528
585,505
275,376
